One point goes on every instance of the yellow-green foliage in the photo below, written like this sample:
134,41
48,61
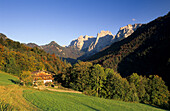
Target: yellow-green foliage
16,57
26,77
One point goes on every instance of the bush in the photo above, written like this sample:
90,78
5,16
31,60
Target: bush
159,94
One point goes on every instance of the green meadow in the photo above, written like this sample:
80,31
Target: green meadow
7,79
59,101
29,99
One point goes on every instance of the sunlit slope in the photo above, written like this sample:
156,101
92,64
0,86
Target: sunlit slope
7,79
12,94
54,101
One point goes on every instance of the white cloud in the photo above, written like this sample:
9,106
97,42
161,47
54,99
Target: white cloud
133,19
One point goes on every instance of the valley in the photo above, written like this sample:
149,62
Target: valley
124,67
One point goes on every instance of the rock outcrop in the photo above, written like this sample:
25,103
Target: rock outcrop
82,42
104,38
126,31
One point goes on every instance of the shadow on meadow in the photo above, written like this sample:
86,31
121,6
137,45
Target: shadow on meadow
15,81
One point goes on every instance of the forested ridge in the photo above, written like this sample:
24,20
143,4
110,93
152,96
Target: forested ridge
66,53
145,52
16,57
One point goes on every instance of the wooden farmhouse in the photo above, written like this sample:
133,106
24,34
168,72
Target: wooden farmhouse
42,76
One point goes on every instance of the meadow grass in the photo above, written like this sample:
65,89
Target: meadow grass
11,95
60,101
7,79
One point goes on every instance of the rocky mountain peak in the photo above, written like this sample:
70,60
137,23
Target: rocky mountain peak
125,31
86,37
80,37
103,33
129,26
52,43
80,42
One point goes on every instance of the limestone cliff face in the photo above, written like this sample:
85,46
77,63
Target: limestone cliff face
126,31
104,38
82,42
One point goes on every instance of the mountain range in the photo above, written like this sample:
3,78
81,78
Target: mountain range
85,46
146,51
103,39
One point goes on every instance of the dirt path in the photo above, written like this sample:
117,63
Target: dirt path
60,90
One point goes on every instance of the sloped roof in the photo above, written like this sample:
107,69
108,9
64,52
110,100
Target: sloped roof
35,72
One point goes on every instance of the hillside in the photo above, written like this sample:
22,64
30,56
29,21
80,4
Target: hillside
68,53
11,95
4,37
7,79
28,99
16,57
145,52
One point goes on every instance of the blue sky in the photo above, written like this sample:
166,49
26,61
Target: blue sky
41,21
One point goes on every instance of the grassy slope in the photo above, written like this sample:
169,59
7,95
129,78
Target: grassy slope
6,79
47,100
13,94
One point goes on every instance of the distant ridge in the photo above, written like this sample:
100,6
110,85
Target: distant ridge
68,53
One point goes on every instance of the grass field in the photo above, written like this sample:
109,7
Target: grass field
60,101
29,99
12,94
7,79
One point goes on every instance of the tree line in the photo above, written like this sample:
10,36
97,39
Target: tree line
16,57
95,80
